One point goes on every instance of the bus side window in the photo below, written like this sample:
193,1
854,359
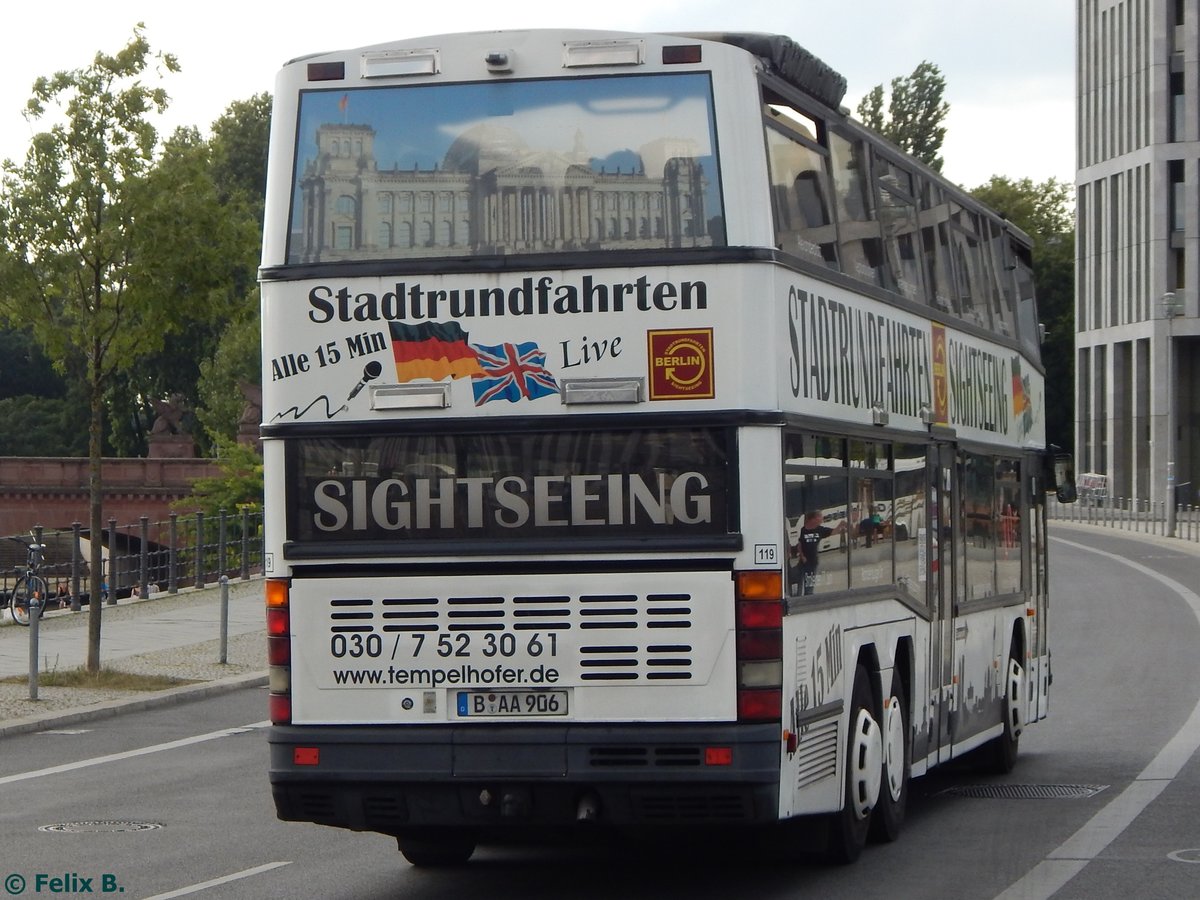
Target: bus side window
908,518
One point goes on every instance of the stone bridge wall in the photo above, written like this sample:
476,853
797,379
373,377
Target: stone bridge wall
53,491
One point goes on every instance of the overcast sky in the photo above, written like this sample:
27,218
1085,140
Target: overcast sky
1009,67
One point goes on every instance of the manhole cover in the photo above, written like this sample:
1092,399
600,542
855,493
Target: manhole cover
100,825
1026,791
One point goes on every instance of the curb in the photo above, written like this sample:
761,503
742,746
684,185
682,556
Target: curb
1157,540
151,700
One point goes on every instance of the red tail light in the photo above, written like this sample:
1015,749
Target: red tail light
279,706
760,705
279,652
766,644
759,616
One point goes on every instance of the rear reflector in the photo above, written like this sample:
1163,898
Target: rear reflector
306,756
718,756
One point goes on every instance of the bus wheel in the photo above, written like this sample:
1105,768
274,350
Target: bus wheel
888,817
452,848
1003,749
849,827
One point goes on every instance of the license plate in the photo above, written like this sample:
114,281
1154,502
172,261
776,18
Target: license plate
512,703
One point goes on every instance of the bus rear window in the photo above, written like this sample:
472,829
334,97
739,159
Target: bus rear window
502,168
626,485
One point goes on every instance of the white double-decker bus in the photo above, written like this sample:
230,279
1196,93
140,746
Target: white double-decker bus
646,444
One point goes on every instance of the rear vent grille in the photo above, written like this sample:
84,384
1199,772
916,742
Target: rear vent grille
316,807
690,808
381,811
645,757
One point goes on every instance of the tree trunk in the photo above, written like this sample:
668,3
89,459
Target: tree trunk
96,520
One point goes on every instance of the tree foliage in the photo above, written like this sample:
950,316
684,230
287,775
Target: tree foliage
1045,212
70,222
237,361
200,256
239,144
239,486
915,113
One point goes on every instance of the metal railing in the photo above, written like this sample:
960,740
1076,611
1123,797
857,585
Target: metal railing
1129,514
146,557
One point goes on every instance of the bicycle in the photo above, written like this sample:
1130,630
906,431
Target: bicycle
30,585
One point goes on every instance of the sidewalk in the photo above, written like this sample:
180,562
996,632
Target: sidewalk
176,635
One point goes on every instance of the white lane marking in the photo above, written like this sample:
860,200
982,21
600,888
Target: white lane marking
130,754
224,879
1069,859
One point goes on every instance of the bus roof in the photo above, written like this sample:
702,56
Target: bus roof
787,59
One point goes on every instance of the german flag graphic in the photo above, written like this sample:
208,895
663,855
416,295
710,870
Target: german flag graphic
432,350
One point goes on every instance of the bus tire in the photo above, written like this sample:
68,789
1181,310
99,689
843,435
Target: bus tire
887,820
849,827
1002,750
451,848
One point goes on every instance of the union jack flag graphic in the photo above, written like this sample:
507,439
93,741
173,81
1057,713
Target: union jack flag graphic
512,372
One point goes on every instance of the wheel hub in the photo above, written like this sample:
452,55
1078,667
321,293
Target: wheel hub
866,761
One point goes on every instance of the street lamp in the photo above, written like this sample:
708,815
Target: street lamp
1172,307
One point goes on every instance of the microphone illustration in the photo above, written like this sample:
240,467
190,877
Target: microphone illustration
371,371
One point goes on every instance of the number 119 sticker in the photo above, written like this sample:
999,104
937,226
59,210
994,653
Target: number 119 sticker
766,554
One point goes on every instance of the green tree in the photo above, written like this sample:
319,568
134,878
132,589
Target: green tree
916,111
1046,213
41,426
70,217
239,486
200,255
239,144
25,369
237,361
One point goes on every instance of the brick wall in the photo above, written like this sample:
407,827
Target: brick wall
53,491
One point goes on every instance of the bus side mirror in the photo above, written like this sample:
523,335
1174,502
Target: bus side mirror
1064,478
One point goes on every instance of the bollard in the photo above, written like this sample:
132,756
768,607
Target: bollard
224,619
221,536
35,614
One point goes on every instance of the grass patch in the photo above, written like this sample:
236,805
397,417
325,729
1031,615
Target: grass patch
109,679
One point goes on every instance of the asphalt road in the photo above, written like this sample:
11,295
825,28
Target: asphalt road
178,802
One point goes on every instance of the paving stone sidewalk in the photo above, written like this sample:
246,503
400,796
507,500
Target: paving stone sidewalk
175,635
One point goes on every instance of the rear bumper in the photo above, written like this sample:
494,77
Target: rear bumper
400,779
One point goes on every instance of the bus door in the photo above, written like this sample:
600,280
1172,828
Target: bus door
1035,556
943,537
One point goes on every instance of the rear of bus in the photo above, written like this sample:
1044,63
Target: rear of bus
518,397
